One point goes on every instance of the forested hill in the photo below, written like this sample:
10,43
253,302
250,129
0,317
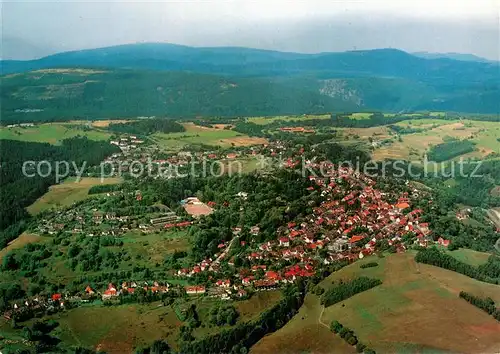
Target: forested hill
65,94
19,189
166,79
254,62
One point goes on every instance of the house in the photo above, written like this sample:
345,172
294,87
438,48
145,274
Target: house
402,206
224,283
355,239
254,230
264,284
443,242
284,241
195,289
247,280
110,292
89,290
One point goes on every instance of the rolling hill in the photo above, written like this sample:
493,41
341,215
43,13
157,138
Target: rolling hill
167,79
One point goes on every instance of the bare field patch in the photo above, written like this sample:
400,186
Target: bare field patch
106,123
245,141
223,126
365,133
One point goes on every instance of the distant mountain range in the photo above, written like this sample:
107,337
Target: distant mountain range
382,79
454,56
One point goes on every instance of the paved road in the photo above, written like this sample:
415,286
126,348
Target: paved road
223,254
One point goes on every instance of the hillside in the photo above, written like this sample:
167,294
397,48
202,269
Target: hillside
398,316
271,82
129,93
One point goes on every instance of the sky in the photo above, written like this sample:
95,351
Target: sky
36,28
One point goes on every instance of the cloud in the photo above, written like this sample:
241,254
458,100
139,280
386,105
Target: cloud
310,26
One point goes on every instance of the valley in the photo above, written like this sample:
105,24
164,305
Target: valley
249,201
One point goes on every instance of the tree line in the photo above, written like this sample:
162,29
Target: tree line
350,337
147,126
489,272
485,304
345,289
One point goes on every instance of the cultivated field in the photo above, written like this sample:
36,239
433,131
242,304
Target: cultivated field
195,134
269,120
67,193
52,133
413,146
106,123
416,309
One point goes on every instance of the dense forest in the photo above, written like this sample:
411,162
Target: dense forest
147,126
450,149
18,190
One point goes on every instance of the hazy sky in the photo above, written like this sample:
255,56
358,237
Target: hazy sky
42,27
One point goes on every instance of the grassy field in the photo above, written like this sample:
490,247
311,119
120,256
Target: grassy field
195,134
469,256
248,310
269,120
303,334
416,309
413,146
152,248
142,250
67,193
120,329
20,242
52,133
243,165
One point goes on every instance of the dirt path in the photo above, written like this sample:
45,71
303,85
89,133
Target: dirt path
320,320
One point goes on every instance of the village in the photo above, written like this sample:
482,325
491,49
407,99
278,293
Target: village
353,221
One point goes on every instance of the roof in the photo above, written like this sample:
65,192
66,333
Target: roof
355,239
402,205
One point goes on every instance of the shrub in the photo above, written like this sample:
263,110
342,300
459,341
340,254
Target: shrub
369,265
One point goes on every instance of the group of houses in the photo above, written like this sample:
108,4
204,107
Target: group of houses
352,220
